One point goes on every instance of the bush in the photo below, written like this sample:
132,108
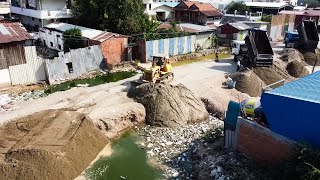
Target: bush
72,39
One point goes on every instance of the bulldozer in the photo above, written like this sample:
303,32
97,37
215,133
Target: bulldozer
160,71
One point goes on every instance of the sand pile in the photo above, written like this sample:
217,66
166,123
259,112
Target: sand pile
169,106
291,54
53,144
248,82
311,57
297,69
268,75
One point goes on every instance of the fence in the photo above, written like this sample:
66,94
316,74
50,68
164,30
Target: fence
30,72
74,63
175,46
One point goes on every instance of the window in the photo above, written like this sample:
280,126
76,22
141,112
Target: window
51,44
59,46
70,67
149,6
32,18
39,20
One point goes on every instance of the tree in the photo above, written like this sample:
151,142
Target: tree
150,28
119,16
239,6
266,18
72,39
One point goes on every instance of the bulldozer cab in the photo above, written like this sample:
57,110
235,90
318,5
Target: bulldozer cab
158,61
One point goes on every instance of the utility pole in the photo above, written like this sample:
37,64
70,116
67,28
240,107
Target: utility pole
315,63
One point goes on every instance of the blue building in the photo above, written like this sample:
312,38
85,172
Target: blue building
293,110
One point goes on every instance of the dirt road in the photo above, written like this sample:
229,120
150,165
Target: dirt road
203,78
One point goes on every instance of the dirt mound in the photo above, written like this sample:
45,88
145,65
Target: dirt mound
291,54
248,82
311,57
268,75
297,69
169,106
53,144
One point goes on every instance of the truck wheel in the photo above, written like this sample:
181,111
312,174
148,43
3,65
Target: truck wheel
235,59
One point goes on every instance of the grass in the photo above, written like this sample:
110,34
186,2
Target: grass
222,55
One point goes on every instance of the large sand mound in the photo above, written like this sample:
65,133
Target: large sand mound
270,75
248,82
168,105
53,144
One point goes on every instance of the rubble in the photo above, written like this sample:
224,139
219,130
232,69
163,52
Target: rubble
174,146
7,101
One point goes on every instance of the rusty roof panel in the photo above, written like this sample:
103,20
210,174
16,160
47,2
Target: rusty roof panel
12,32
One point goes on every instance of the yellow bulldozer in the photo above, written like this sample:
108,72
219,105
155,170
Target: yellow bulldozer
160,71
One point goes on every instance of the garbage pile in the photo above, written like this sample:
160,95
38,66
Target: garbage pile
7,101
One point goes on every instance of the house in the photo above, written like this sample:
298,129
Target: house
18,58
114,46
218,4
292,109
268,7
161,11
197,13
5,8
232,31
38,13
190,28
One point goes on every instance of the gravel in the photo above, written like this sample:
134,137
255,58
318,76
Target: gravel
173,147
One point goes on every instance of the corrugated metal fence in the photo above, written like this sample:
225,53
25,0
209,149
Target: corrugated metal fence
31,72
74,63
177,46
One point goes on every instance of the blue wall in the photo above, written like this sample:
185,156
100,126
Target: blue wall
296,119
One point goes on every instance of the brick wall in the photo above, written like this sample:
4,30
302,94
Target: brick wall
262,144
114,50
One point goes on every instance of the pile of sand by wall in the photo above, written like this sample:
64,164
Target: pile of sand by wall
248,82
297,69
53,144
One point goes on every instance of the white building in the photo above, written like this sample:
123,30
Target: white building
38,13
160,10
5,8
51,34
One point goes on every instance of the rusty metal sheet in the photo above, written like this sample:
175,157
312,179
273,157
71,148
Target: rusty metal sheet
12,32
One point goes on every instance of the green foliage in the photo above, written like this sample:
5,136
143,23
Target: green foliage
213,135
266,18
239,6
73,39
120,16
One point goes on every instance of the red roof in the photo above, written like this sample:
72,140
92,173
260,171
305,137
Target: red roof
106,35
12,32
208,10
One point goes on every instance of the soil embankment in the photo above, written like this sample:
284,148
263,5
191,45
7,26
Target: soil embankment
168,105
52,144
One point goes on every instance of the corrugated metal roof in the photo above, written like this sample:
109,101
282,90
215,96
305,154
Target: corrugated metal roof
169,4
12,31
306,88
240,26
86,32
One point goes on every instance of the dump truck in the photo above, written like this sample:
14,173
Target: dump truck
260,53
305,38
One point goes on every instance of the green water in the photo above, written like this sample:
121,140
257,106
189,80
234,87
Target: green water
128,161
112,77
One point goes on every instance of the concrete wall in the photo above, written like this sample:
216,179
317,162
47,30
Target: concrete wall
5,80
280,24
261,143
114,50
31,72
47,36
177,46
53,4
83,60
